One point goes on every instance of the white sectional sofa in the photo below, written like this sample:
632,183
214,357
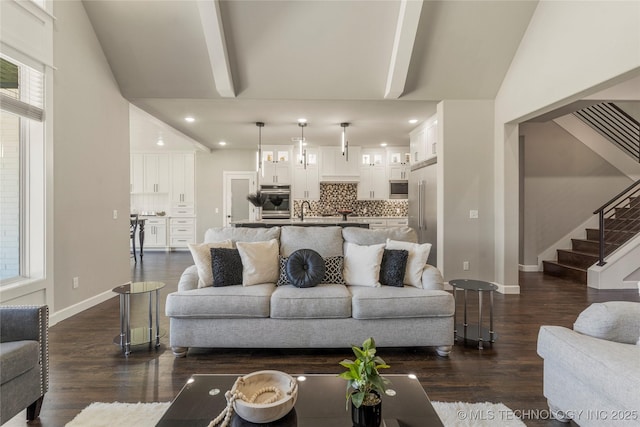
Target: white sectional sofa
328,315
592,372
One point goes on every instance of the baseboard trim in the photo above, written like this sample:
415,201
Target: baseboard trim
70,311
528,268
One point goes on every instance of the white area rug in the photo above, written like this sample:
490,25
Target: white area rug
456,414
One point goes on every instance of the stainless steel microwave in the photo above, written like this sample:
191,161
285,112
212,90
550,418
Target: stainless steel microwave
399,189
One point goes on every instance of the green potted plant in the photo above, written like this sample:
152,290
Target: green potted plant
365,385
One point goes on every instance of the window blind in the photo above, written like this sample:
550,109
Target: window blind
21,93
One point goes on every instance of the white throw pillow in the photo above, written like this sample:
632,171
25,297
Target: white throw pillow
362,264
201,253
418,255
259,262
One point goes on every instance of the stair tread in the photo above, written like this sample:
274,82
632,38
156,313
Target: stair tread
571,267
581,253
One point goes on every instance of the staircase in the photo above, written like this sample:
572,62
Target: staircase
620,226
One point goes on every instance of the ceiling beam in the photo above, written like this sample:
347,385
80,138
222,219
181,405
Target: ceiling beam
406,30
211,20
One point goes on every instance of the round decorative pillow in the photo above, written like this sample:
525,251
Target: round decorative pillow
305,268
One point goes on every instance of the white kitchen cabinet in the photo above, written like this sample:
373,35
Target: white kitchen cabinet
334,166
276,160
156,173
373,184
398,161
424,141
182,231
377,223
183,178
155,233
397,222
306,181
136,174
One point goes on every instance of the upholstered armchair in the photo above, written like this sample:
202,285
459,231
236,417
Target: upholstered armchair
592,372
24,360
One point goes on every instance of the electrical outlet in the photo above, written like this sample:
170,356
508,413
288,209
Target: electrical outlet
217,210
115,214
473,214
465,265
76,283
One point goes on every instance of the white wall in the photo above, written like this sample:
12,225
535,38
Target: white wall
570,49
209,183
91,166
465,182
564,182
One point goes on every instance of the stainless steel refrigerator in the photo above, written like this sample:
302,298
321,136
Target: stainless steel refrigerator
423,208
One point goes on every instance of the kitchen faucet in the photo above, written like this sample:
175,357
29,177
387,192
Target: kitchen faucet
302,209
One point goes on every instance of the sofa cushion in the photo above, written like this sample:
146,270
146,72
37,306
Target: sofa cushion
201,253
399,303
226,302
418,255
362,264
392,267
327,241
617,321
364,236
305,268
241,234
16,358
324,301
259,262
226,267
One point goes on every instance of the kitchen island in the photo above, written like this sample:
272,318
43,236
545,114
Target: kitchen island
307,222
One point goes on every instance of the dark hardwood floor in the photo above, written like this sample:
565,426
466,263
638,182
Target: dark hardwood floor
85,366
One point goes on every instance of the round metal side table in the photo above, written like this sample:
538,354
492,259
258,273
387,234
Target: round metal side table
142,335
482,334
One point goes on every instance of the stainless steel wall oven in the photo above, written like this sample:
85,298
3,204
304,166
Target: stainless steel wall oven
278,203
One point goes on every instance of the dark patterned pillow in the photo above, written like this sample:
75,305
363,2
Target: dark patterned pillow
333,270
283,279
392,267
226,266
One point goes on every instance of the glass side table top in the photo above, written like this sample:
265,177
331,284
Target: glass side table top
138,287
473,285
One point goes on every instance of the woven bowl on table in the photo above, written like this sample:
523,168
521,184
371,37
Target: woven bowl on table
265,413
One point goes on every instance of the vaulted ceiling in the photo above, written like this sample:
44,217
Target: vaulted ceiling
374,64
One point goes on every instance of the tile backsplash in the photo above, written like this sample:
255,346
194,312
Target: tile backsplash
336,196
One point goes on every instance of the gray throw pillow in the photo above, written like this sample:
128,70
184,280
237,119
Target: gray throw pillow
617,321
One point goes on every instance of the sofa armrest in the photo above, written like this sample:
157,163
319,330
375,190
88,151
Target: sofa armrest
22,323
189,279
432,278
617,321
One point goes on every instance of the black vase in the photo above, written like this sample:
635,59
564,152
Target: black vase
367,415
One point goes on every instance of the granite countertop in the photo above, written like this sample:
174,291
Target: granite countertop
314,220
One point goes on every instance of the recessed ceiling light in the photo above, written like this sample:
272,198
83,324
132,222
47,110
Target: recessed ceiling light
302,120
189,119
160,142
413,121
383,144
222,143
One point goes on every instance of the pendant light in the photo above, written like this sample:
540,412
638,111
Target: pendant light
259,160
302,153
345,143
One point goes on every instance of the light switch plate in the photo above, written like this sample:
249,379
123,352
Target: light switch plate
473,214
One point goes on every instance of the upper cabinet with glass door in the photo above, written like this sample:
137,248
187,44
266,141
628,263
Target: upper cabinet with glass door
276,160
398,159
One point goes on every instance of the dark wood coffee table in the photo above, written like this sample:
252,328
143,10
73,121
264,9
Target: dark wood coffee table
321,403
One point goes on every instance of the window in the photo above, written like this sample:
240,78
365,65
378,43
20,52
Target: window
21,114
